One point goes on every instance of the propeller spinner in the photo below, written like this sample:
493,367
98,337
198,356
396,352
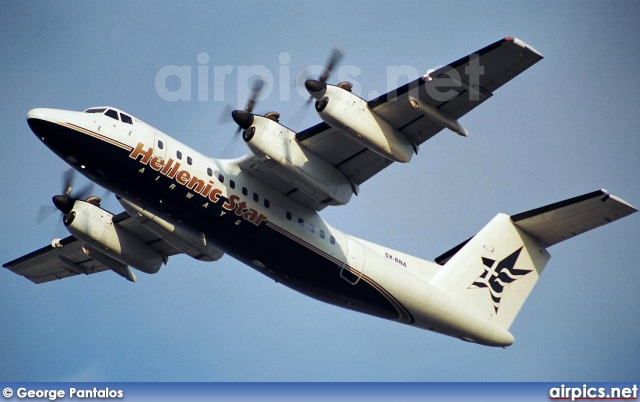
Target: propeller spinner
64,202
318,87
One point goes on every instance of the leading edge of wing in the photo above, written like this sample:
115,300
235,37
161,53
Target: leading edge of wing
37,253
509,41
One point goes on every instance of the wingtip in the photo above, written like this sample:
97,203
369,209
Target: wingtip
632,209
521,44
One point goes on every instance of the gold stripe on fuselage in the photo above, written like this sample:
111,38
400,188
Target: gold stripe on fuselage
96,135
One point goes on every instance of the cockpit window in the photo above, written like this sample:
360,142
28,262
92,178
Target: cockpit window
112,113
126,119
95,110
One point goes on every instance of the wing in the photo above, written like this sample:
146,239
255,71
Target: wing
50,263
454,89
67,258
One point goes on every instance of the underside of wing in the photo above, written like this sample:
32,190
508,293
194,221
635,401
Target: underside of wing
455,89
49,263
67,257
417,111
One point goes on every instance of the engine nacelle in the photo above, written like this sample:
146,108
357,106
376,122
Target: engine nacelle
95,228
350,115
277,148
184,240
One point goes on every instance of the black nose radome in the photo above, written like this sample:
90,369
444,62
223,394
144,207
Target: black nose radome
316,88
242,118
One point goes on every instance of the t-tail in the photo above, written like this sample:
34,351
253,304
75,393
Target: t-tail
494,271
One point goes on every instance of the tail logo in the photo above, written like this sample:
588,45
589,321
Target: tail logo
497,275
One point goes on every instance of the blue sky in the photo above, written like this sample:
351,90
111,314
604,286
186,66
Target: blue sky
567,126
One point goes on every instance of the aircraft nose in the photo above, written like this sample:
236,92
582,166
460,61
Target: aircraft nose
40,114
41,120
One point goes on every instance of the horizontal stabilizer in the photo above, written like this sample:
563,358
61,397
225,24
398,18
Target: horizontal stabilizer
495,270
563,220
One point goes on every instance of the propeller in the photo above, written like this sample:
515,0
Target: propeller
258,85
64,201
244,116
318,87
336,55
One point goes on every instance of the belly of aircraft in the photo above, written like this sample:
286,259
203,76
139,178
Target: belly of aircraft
282,257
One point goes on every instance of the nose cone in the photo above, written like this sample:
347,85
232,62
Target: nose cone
40,121
316,88
40,114
44,122
64,203
242,118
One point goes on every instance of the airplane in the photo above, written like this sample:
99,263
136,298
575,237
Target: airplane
263,208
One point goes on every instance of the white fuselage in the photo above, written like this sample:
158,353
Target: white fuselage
257,225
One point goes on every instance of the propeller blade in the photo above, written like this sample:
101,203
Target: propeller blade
230,149
45,212
298,117
84,192
334,59
258,85
336,55
67,181
225,115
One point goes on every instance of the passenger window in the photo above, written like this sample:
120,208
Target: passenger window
112,113
256,197
209,172
179,154
267,204
232,184
311,228
220,178
301,222
321,233
126,119
332,240
244,191
160,144
289,216
189,160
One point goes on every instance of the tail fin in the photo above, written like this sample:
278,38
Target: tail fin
495,270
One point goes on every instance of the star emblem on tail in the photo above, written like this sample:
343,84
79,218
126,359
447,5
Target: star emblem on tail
497,275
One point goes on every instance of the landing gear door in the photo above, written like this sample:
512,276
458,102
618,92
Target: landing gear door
353,266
